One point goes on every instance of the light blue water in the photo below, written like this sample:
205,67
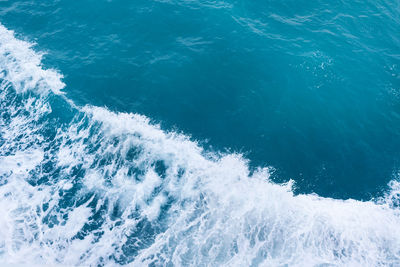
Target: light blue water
305,92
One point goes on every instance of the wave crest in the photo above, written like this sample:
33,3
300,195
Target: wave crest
99,188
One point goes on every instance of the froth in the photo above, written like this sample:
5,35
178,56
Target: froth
22,66
106,188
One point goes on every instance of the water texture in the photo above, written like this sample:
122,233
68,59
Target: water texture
294,104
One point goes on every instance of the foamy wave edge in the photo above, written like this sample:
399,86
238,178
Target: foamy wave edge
202,208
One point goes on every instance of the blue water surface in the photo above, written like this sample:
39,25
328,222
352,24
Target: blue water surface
310,88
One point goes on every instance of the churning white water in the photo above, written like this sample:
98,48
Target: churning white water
85,186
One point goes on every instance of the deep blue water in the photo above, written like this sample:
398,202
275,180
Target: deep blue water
308,89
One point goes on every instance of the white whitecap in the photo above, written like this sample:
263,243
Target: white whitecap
159,194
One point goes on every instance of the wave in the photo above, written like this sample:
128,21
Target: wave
86,186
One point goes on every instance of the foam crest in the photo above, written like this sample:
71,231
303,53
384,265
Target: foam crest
105,188
22,66
232,217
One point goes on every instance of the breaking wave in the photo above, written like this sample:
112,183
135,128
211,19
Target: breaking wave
86,186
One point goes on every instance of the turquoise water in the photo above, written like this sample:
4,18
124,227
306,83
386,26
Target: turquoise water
310,89
202,133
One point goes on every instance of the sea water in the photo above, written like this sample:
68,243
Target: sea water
199,133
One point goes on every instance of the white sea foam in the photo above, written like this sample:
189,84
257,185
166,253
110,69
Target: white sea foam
112,187
22,66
